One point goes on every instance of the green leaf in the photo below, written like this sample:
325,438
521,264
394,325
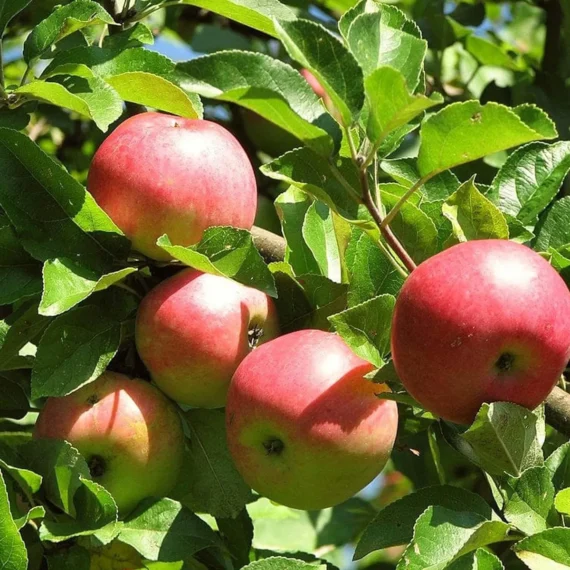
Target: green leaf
91,97
530,179
530,498
391,104
442,535
130,37
292,206
375,43
238,534
463,132
553,229
157,92
488,53
62,22
73,558
55,217
37,512
13,400
267,86
434,211
210,482
282,563
319,51
316,176
164,530
473,216
14,464
95,508
371,272
13,555
562,501
319,234
9,9
62,468
256,14
18,118
67,283
383,533
366,328
549,549
480,559
228,252
74,350
503,439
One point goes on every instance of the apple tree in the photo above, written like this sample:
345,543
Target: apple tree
284,284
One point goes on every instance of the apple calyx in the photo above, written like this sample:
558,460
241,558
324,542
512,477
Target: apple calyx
92,400
97,466
505,362
253,336
274,446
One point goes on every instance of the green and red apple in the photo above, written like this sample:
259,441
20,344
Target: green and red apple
194,329
483,321
160,174
305,428
128,432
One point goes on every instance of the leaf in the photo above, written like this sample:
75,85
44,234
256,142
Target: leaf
130,37
292,206
480,559
67,283
562,501
319,234
210,482
463,132
164,530
372,274
558,462
394,524
13,555
73,558
62,22
553,229
530,179
391,104
238,534
228,252
95,508
256,14
55,217
375,43
13,400
14,464
9,9
282,563
37,512
547,550
62,468
332,184
319,51
366,328
504,439
442,535
488,53
157,92
74,350
90,97
268,87
473,216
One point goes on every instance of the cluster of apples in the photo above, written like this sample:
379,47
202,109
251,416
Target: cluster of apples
480,322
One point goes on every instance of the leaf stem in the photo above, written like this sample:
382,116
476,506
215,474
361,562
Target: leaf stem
2,90
25,76
394,211
142,15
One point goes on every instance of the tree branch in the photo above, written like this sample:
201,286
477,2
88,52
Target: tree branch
272,248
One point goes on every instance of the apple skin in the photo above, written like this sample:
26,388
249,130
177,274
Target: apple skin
192,333
304,427
483,321
127,431
160,174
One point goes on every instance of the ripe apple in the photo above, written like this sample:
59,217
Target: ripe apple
304,427
127,431
483,321
194,329
160,174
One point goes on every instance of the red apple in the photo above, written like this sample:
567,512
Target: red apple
304,427
159,174
194,329
127,431
483,321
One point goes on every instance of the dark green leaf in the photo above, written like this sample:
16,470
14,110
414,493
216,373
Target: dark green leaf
237,533
9,9
547,549
282,563
553,229
13,400
481,559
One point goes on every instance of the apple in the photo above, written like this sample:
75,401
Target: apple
128,432
193,330
304,427
160,174
483,321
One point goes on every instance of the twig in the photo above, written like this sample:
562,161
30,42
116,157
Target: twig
270,246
